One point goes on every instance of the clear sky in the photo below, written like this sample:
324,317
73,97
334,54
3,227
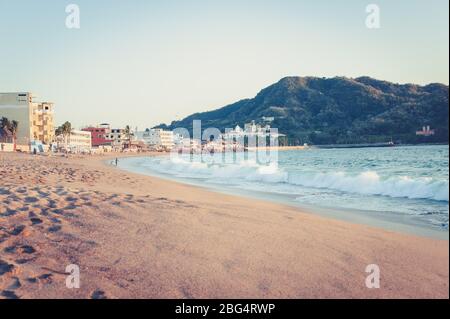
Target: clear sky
143,62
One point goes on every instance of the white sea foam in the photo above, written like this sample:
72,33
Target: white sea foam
365,183
370,183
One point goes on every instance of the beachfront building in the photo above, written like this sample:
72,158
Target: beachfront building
179,139
258,129
19,107
43,126
252,129
120,138
158,138
426,131
99,135
252,133
35,118
76,142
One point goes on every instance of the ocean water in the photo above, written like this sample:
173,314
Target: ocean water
408,185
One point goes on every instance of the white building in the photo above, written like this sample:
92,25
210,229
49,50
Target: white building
76,142
158,138
426,131
252,132
251,127
118,138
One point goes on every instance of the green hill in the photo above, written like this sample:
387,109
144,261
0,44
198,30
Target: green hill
339,111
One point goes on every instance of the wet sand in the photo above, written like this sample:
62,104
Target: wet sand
137,236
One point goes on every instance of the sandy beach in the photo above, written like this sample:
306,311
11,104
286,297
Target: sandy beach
136,236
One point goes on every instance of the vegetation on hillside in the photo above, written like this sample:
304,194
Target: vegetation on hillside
339,111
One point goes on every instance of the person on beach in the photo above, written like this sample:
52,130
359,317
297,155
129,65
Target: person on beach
117,161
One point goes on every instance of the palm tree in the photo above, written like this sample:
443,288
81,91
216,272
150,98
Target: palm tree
58,131
66,131
128,135
5,123
14,128
10,126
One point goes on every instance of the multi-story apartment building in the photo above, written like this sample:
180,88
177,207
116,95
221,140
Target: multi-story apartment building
99,135
158,138
18,106
76,142
43,126
118,137
35,119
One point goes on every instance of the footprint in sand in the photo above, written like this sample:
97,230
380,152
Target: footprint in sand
31,280
21,190
3,238
9,212
54,229
24,208
98,294
71,207
9,294
15,284
71,199
22,249
5,267
30,199
4,191
36,221
46,278
24,261
55,220
17,230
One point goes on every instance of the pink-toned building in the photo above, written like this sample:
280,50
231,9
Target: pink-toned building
99,135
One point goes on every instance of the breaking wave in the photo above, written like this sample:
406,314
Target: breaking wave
366,183
370,183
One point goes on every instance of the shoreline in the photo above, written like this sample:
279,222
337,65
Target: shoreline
136,236
376,219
